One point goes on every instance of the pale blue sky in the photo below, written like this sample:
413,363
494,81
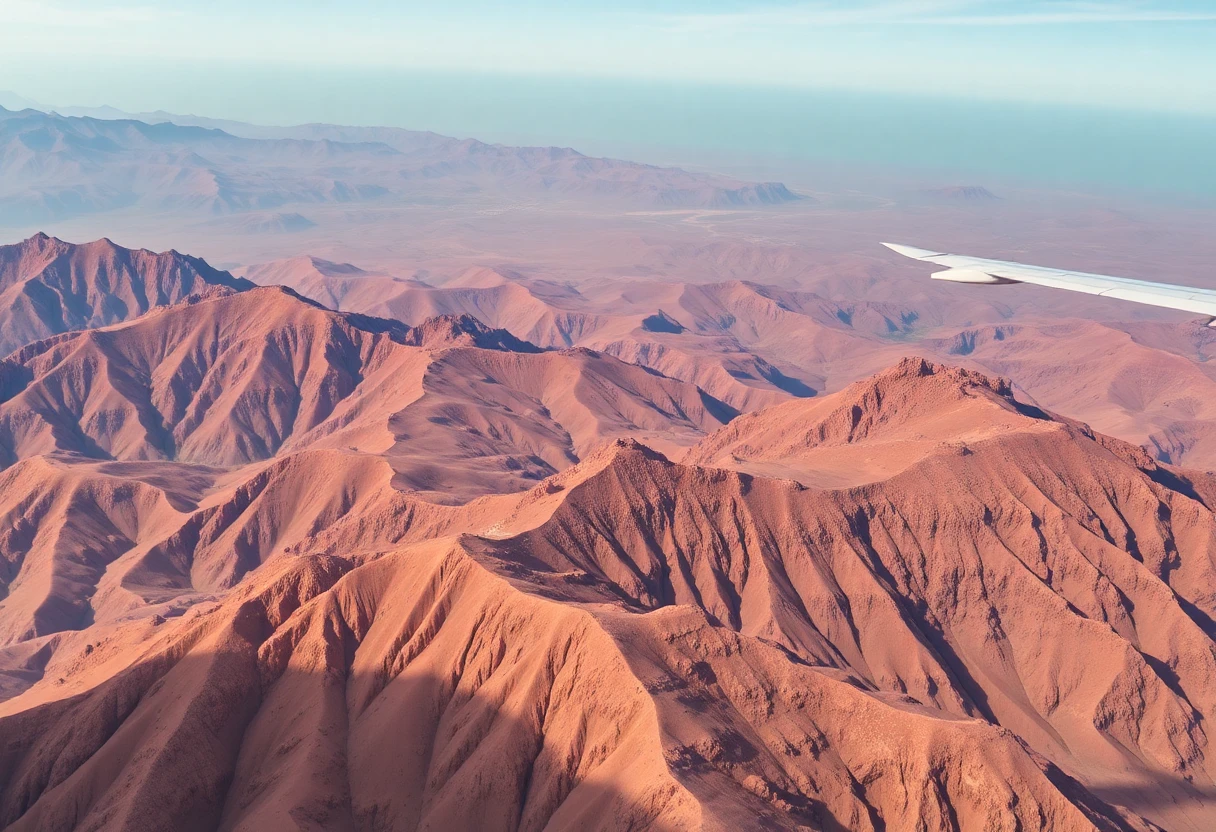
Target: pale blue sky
1118,53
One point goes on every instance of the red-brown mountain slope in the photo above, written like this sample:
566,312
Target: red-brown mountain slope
229,379
219,380
423,690
48,286
1007,627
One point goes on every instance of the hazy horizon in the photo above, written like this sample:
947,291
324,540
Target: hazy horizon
768,131
1111,95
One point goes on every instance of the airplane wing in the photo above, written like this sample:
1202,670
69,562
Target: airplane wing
961,268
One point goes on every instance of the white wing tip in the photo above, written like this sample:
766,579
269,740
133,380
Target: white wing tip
914,253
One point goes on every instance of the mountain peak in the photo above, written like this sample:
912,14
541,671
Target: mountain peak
943,375
873,428
914,394
88,285
464,330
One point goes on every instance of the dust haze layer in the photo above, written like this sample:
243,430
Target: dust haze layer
56,166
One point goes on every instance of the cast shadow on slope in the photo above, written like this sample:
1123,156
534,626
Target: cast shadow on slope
366,708
293,699
237,761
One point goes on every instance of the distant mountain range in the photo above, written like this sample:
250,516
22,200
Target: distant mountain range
966,193
54,166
